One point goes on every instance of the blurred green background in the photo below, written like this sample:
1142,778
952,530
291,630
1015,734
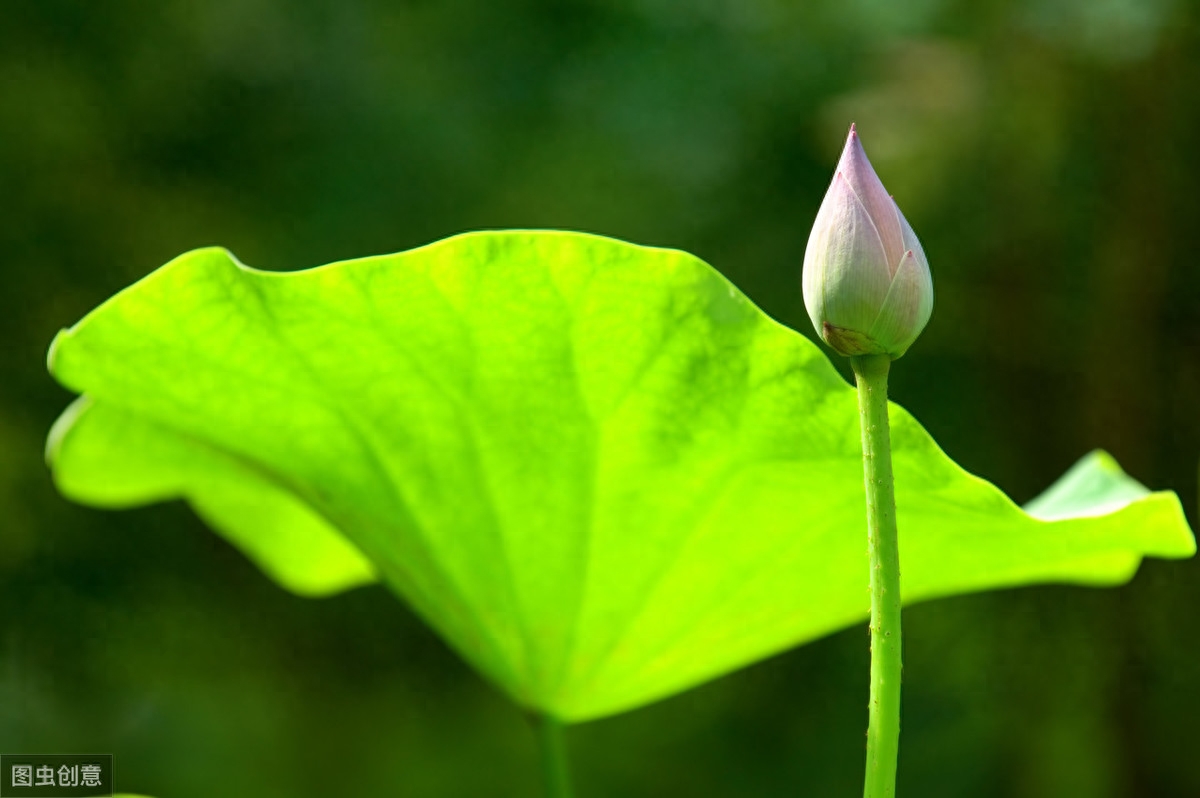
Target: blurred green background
1044,150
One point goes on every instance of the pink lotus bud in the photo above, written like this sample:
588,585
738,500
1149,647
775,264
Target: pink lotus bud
867,286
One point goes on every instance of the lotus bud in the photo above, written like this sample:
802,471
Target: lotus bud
867,286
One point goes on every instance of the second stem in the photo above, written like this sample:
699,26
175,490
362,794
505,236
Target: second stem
555,776
883,729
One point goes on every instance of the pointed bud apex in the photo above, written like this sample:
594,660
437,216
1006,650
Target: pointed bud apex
867,286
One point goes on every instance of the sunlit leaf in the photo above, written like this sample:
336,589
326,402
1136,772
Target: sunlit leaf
1095,485
597,469
111,457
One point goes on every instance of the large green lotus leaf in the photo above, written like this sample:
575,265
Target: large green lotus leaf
596,468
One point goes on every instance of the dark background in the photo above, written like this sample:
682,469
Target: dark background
1044,150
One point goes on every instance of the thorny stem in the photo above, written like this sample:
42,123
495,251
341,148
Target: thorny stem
883,729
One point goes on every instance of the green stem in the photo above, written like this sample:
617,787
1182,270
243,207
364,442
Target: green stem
555,773
883,730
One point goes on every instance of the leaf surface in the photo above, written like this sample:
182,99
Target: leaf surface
597,469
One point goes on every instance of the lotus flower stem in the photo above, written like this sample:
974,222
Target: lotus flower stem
555,771
883,729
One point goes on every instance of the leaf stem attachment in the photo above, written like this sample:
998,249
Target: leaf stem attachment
552,747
